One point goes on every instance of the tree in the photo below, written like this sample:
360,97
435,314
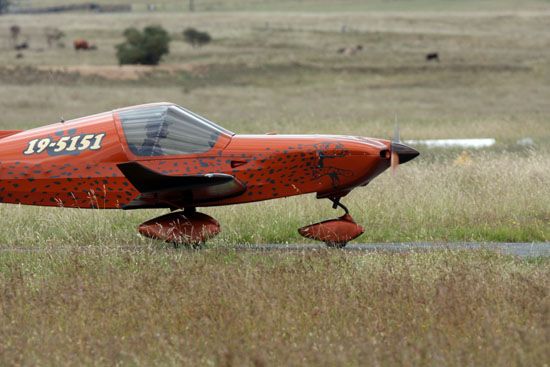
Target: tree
196,38
4,5
145,47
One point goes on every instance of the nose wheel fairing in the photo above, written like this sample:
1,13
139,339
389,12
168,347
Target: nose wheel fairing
334,232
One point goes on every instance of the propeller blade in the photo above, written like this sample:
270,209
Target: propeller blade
394,158
396,136
394,161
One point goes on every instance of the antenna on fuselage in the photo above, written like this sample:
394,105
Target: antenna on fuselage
53,79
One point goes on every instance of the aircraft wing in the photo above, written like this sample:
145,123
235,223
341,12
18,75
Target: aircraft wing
158,190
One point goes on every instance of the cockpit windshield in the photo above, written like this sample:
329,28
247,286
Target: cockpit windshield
168,130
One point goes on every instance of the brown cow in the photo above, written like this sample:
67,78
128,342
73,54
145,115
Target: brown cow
82,44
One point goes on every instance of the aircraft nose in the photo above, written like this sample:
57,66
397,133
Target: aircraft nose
405,152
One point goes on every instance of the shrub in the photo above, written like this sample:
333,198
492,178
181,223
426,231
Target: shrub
53,35
145,47
196,38
15,31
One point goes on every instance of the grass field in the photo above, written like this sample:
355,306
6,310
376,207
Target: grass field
82,288
221,307
275,71
495,198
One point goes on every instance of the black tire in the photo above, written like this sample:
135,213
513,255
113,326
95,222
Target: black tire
336,244
190,246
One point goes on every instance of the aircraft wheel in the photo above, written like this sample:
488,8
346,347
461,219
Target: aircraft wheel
336,244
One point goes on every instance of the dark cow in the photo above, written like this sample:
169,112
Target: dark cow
432,56
22,46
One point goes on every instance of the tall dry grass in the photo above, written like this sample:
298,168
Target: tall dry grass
492,197
69,295
220,307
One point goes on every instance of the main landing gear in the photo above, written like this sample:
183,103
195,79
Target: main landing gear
335,233
181,227
192,228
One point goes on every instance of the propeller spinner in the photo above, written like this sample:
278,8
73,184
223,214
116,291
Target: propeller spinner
400,153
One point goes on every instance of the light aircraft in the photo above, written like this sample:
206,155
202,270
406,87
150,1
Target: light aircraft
162,155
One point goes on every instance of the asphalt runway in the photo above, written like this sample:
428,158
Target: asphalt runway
516,249
536,249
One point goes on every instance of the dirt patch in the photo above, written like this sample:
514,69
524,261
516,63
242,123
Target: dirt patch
115,72
24,75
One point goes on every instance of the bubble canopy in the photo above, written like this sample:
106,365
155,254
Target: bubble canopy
168,129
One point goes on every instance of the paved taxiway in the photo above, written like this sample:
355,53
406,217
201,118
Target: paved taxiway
516,249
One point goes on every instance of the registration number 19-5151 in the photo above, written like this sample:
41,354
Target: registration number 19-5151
65,144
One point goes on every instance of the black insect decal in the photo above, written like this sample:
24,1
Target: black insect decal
333,172
327,150
330,150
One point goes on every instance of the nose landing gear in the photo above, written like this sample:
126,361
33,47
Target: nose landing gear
334,233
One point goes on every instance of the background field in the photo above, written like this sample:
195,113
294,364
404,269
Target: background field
81,287
279,71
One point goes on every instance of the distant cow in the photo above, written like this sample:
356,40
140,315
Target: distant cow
22,46
350,50
432,56
82,44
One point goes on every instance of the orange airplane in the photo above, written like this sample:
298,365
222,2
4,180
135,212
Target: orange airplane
163,156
